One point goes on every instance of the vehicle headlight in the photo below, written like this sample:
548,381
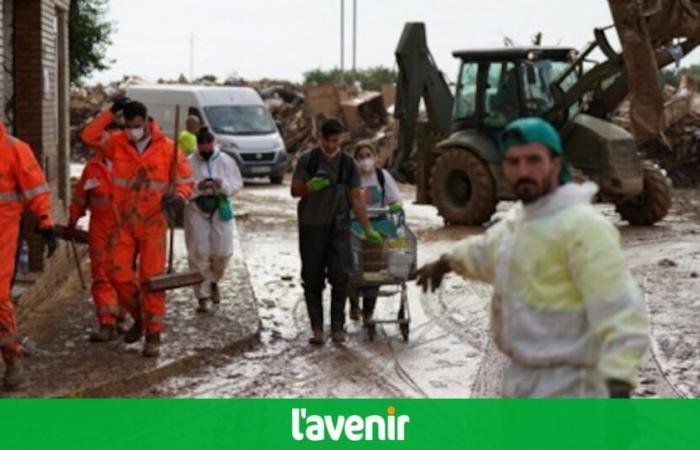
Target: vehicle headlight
230,146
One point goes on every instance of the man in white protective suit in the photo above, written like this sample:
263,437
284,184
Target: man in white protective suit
209,216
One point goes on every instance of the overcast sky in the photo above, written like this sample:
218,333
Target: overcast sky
285,38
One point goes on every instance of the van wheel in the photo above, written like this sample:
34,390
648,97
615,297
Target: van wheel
276,179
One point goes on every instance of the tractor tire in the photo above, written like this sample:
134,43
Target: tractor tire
462,188
652,204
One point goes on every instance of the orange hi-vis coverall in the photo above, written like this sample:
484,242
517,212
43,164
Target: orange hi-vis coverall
94,191
139,181
22,183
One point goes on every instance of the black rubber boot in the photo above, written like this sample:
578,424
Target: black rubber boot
204,305
135,333
215,294
14,375
317,338
151,349
122,326
338,337
106,333
355,310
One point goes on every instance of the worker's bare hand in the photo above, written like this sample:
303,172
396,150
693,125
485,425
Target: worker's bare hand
432,274
218,182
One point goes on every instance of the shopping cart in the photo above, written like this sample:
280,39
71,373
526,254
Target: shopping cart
386,268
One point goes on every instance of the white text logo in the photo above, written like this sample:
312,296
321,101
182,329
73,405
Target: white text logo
354,428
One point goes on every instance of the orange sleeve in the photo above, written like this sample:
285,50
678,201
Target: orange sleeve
185,181
94,134
33,185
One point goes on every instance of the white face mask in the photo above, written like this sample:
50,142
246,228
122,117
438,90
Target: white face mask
136,134
367,165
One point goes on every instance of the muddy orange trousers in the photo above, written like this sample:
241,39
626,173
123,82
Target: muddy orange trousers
100,243
8,323
150,244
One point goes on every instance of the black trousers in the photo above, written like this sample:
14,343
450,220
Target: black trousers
326,254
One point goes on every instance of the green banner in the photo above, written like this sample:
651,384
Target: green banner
349,424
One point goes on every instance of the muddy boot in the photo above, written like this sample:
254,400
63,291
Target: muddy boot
338,337
122,326
215,294
151,349
204,305
135,333
317,338
13,375
106,333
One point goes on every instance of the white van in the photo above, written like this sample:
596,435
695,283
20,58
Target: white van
237,117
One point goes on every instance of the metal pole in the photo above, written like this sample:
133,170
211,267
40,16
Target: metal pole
354,40
342,40
191,58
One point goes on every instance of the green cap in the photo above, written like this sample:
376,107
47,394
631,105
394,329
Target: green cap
535,130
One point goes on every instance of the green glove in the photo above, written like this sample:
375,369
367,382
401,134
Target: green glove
225,208
373,237
395,207
317,184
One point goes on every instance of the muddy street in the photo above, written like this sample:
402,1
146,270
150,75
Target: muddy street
449,353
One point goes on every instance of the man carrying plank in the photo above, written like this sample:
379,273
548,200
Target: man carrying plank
22,186
141,158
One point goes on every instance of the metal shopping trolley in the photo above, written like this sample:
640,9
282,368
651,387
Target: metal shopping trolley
386,268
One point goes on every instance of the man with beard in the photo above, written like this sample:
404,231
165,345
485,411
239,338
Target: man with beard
565,310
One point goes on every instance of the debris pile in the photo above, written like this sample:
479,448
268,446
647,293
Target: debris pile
678,148
297,110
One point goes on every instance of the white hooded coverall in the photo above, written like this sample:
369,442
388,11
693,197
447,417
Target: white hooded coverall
209,239
566,310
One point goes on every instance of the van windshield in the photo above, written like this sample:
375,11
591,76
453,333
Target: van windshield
240,119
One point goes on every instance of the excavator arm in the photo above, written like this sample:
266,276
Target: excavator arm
418,79
608,96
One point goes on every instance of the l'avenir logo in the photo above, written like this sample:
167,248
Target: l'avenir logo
313,427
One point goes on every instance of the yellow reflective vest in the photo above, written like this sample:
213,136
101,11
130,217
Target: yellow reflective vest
563,295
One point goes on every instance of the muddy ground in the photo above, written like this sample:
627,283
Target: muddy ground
449,353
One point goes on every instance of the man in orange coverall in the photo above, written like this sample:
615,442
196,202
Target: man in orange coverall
141,173
94,191
22,183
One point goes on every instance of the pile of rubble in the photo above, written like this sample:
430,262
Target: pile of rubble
297,110
678,148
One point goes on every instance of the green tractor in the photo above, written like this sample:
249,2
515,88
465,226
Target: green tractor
457,167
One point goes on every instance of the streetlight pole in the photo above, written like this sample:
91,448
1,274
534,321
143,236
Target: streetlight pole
354,40
342,41
192,58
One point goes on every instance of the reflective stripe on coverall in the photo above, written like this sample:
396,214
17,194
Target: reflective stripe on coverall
565,310
94,191
209,238
139,183
22,183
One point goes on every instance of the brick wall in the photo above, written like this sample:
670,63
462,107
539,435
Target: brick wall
8,63
40,106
